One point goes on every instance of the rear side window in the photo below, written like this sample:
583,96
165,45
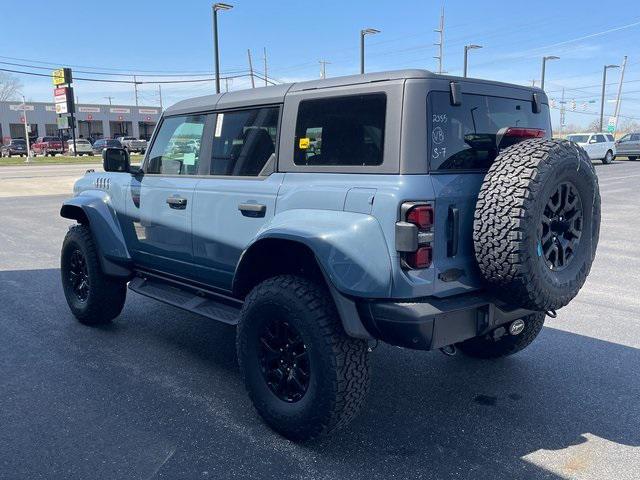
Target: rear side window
600,139
341,131
244,141
464,137
176,148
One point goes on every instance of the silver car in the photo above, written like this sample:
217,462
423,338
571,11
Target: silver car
629,146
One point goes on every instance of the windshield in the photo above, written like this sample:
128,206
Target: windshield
578,138
463,137
18,142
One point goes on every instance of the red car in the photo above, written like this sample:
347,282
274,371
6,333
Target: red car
46,146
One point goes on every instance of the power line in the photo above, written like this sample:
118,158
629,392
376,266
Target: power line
128,82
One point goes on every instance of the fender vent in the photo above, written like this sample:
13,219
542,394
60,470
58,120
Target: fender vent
103,183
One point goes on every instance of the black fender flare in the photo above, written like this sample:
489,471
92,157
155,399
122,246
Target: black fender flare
94,209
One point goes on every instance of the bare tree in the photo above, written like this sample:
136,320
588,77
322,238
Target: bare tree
9,87
594,126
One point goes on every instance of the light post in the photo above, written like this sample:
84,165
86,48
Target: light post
544,64
466,53
26,129
604,84
366,31
215,7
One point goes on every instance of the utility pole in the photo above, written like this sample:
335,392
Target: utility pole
253,82
266,81
323,68
544,67
364,32
604,86
562,111
26,129
618,98
160,95
109,98
473,46
226,84
216,53
440,31
135,88
533,82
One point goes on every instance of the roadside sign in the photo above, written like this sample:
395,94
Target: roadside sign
63,123
61,76
611,125
89,117
63,99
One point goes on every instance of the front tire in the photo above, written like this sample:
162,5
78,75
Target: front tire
93,297
487,347
304,375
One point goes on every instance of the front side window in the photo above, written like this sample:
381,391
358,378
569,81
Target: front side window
341,131
176,148
244,142
600,139
465,137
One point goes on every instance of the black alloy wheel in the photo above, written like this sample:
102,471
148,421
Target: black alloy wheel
284,360
561,227
79,276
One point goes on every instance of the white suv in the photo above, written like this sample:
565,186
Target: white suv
599,146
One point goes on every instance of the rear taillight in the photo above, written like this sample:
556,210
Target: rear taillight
421,216
518,132
421,258
414,235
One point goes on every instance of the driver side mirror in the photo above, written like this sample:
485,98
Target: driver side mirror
115,160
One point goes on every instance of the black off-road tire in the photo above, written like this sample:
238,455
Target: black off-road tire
106,295
507,227
339,367
487,347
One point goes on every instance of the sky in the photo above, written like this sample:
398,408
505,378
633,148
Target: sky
172,40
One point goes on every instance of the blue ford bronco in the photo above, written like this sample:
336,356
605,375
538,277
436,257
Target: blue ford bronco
421,210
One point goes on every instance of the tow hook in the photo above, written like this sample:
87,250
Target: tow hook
516,327
449,350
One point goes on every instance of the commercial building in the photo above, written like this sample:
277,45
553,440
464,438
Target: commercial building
93,121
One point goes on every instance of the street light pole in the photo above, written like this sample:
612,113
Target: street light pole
363,32
466,53
604,84
216,54
26,129
544,63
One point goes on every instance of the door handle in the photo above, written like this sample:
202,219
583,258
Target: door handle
177,203
255,210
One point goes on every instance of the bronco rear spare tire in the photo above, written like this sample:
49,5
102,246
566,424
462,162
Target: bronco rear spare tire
537,222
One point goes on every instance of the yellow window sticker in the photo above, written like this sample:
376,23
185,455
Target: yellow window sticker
304,143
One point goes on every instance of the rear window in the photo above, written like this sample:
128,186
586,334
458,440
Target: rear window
113,143
341,131
18,142
50,139
464,137
578,138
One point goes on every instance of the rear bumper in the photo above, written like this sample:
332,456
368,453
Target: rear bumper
431,323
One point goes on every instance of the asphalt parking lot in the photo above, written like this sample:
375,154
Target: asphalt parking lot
157,394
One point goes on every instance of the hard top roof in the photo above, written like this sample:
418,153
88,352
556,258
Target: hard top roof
275,94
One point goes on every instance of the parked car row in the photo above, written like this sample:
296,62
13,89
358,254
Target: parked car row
53,145
603,146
